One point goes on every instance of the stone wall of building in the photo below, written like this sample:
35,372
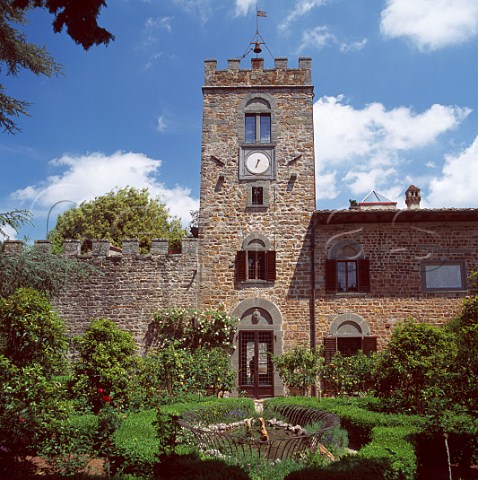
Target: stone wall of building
396,253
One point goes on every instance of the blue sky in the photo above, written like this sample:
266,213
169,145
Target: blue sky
395,101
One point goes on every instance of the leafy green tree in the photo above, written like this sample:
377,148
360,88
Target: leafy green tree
32,332
416,370
32,410
32,351
123,213
80,20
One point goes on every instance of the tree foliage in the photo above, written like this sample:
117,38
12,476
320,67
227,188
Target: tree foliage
41,271
14,219
78,17
123,213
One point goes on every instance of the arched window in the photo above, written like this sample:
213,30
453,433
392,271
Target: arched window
349,333
347,269
256,260
257,121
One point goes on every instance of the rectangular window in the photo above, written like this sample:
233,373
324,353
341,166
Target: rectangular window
250,128
257,196
256,265
443,276
347,276
258,128
265,128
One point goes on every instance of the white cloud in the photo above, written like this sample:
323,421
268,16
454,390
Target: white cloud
343,132
320,37
152,26
243,6
7,233
456,187
326,186
366,181
161,125
365,147
430,24
201,8
85,177
302,7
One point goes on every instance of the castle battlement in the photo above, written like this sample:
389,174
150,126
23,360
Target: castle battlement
103,248
257,75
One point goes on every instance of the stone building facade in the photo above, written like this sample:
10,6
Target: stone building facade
289,273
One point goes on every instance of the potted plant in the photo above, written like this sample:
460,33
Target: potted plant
299,369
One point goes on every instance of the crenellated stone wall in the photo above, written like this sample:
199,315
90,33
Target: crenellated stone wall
129,287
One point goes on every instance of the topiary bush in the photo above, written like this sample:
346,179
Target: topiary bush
416,371
32,409
350,375
106,365
32,332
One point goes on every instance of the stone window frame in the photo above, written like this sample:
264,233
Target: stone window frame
440,263
265,195
257,244
348,250
257,102
348,326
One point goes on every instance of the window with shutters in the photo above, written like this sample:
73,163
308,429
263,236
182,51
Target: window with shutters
256,261
347,269
348,346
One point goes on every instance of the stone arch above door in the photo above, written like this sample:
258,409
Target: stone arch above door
349,325
258,314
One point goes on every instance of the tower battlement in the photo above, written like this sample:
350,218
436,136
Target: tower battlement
257,75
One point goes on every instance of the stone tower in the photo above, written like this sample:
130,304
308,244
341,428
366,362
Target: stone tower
257,201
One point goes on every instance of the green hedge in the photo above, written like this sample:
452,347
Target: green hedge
387,449
136,441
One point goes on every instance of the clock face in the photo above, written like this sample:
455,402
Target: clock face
257,163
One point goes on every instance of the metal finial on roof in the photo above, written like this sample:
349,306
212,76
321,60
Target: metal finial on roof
257,40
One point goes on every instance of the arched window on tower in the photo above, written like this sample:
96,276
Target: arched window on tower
256,261
257,121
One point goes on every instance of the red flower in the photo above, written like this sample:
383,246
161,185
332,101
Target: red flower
100,390
106,398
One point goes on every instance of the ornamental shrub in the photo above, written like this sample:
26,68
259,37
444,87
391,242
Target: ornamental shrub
32,332
32,409
299,367
416,371
465,327
351,375
107,362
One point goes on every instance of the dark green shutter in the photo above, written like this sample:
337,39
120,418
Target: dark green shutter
241,258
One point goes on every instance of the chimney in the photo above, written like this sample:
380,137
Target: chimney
412,197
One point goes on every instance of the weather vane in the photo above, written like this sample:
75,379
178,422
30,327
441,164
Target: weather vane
257,40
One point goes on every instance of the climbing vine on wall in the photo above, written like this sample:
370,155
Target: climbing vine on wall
191,329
